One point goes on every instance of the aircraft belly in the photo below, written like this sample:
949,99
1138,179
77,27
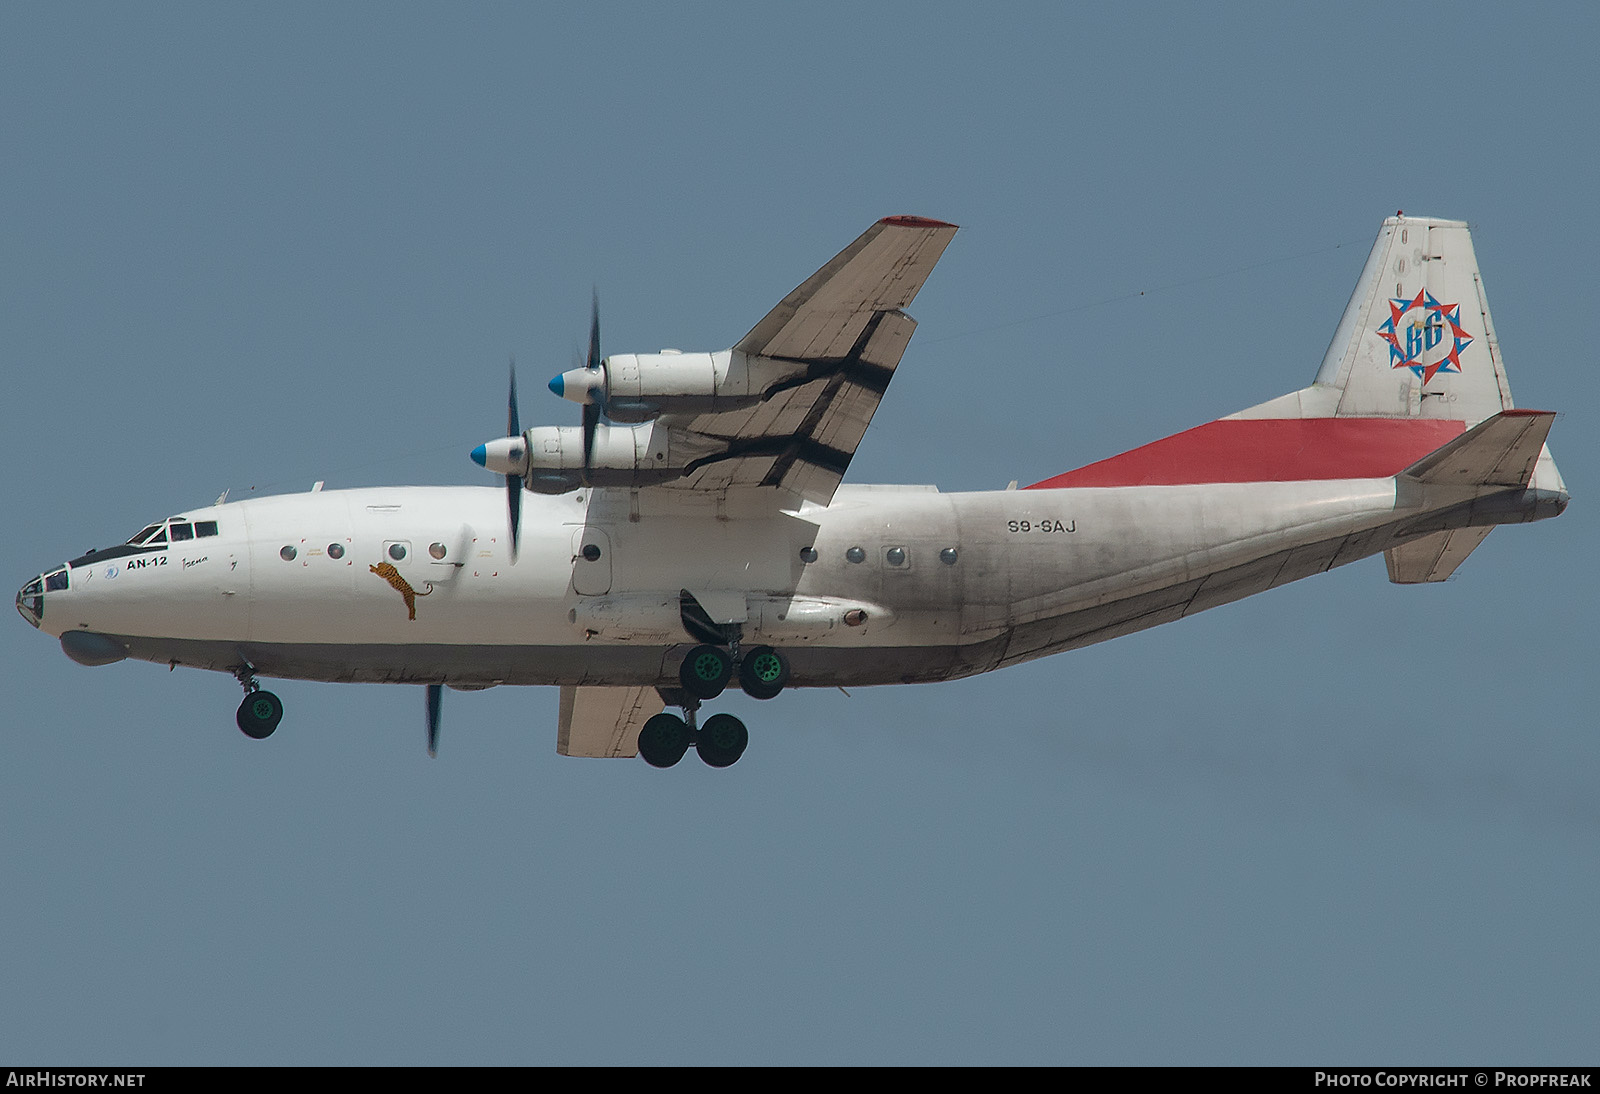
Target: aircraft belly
615,665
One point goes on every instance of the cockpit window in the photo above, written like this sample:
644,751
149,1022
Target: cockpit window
178,530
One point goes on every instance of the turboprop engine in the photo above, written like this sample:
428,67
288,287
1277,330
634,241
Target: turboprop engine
635,387
550,459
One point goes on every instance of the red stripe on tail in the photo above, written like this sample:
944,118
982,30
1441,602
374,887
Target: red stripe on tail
1270,450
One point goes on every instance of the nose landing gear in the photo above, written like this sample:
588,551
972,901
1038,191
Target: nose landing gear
261,711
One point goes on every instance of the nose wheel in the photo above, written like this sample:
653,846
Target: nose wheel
261,711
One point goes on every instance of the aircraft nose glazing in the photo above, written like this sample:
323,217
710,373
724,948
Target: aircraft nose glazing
30,601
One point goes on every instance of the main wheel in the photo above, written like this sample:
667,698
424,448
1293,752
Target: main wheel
705,671
763,672
722,740
663,740
259,714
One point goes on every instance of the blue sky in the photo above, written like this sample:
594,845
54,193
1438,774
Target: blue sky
247,247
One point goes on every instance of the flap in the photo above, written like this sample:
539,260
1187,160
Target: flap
604,721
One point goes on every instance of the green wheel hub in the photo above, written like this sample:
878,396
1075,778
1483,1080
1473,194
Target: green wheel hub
763,673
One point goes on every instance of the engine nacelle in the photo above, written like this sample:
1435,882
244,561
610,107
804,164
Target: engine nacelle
637,455
636,387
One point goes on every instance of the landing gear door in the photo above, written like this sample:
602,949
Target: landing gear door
591,562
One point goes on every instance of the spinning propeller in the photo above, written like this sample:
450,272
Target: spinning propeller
509,455
586,384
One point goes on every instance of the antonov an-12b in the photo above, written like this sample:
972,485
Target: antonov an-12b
694,531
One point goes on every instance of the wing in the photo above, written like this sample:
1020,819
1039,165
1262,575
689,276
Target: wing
831,347
604,721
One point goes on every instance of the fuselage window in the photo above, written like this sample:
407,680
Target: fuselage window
181,531
203,528
335,550
287,553
397,551
57,580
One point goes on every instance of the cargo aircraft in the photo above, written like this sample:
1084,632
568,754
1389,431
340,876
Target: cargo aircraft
694,530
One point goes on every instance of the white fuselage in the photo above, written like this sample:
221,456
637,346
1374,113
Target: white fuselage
946,584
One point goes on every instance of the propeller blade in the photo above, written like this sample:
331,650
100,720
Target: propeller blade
435,702
591,420
592,409
514,511
513,482
594,331
513,420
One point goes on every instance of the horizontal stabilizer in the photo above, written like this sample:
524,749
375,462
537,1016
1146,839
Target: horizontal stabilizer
1432,558
1499,451
604,721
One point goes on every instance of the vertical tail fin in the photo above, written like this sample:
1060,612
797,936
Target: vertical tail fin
1415,341
1414,364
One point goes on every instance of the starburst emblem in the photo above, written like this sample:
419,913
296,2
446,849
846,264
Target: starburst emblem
1418,325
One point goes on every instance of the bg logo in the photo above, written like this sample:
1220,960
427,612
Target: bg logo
1422,323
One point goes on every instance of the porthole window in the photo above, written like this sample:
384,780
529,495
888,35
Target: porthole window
856,554
437,550
591,552
948,556
335,550
808,554
397,551
287,554
895,556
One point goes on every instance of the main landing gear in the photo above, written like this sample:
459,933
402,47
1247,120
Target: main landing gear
666,737
706,671
261,711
